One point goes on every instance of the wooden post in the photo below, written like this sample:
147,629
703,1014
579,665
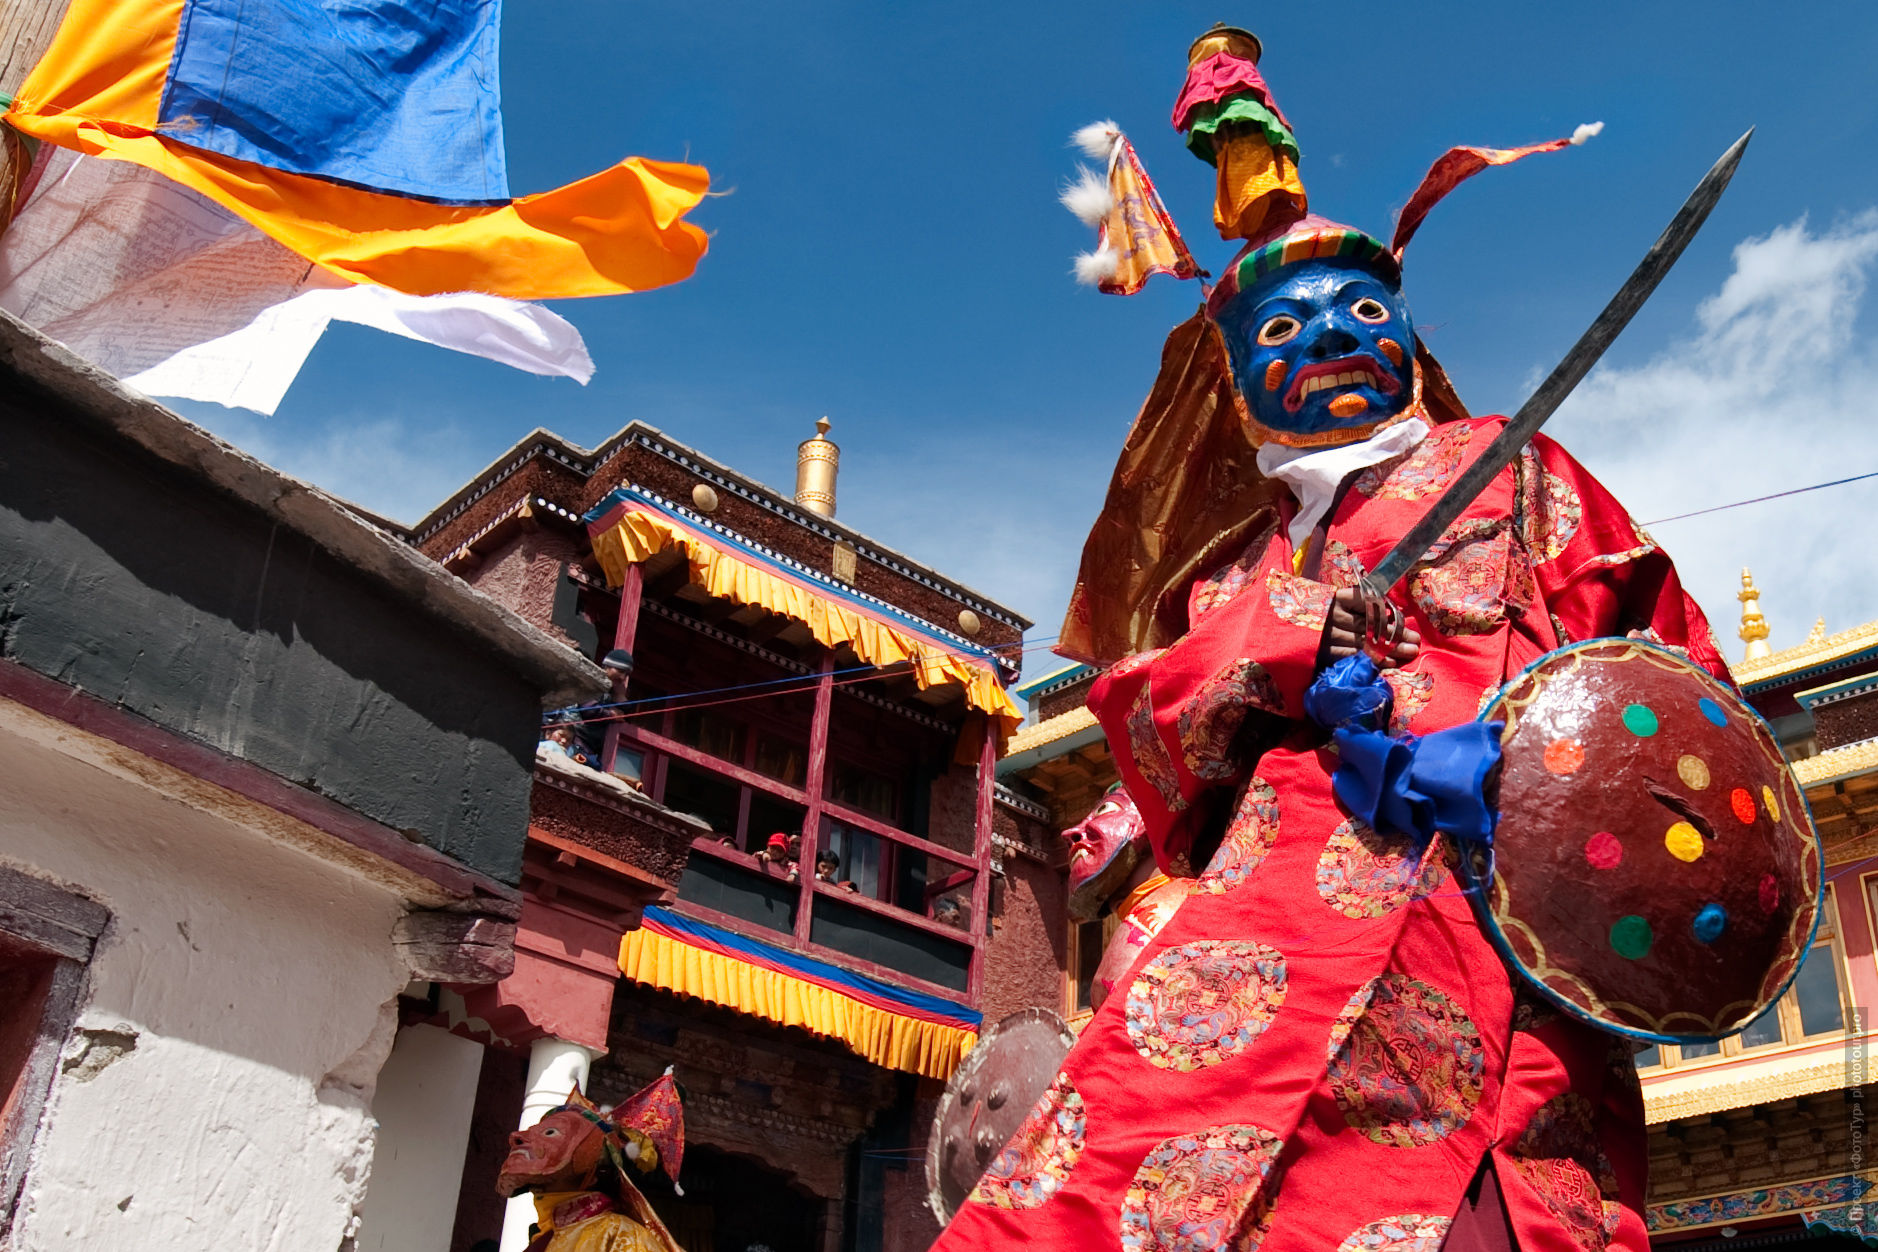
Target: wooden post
981,885
26,30
624,632
815,785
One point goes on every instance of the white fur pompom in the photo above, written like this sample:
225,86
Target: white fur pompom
1097,139
1093,267
1088,197
1586,131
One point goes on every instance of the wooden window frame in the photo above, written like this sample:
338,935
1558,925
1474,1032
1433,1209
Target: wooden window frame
64,926
1787,1008
1078,1014
661,748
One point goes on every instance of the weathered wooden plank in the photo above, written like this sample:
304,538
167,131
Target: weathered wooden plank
455,947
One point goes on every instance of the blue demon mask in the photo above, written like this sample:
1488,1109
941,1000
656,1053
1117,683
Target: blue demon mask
1320,348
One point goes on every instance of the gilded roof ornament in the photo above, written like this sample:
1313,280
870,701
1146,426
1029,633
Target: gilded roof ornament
1753,626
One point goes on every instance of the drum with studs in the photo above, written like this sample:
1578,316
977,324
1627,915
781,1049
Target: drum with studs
994,1090
1655,870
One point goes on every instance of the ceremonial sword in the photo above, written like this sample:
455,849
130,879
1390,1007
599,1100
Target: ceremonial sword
1566,375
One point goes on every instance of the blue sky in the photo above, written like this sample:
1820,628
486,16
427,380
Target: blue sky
890,253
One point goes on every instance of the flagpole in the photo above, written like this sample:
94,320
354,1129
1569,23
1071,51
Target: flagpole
26,30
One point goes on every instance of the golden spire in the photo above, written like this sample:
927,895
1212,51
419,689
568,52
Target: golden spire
1818,633
817,460
1753,625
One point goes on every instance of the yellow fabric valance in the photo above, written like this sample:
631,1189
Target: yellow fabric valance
877,1035
639,534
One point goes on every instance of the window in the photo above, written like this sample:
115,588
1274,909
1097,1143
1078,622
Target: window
1812,1008
712,797
863,790
46,937
709,731
860,853
782,760
1087,942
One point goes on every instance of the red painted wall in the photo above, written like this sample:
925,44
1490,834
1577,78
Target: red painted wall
907,1224
1026,957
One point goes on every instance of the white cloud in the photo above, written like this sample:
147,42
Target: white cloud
394,466
1775,388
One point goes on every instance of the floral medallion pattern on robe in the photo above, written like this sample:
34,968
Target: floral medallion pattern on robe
1203,1003
1560,1158
1224,585
1129,664
1413,690
1342,567
1411,1232
1411,1070
1551,510
1470,579
1202,1192
1035,1163
1210,720
1424,470
1365,873
1248,838
1152,758
1299,601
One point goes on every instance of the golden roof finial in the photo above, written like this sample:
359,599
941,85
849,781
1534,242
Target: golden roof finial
1818,633
1753,625
817,461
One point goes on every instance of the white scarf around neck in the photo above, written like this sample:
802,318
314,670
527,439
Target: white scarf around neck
1314,474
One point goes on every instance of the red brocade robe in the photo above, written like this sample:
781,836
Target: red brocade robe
1320,1048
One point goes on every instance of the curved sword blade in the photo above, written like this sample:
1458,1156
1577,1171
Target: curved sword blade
1565,376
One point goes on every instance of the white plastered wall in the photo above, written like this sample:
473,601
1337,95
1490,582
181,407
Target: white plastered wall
426,1096
216,1090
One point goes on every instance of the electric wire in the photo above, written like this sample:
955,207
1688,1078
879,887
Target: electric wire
865,673
1722,508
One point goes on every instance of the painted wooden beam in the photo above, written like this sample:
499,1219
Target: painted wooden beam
816,787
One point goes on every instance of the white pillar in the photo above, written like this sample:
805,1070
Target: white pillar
555,1067
426,1094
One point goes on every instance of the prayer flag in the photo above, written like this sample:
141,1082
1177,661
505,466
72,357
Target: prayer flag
178,297
365,135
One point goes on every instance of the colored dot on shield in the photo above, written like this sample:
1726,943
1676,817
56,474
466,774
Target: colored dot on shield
1709,923
1693,771
1564,756
1640,721
1604,851
1742,803
1684,842
1770,893
1767,798
1631,937
1712,711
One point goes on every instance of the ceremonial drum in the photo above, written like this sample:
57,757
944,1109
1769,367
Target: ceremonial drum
1005,1075
1655,870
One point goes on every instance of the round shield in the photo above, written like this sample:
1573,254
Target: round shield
1002,1078
1655,870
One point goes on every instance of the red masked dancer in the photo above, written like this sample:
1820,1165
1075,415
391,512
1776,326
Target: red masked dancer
1112,871
1320,1051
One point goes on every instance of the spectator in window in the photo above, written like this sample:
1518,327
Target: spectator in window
827,865
775,856
596,715
947,909
557,739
